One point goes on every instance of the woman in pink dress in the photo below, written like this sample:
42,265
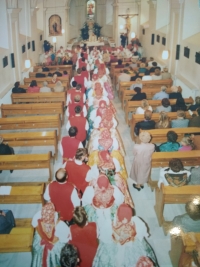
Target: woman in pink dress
33,88
142,161
186,144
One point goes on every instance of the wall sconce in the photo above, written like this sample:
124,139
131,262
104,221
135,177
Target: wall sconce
27,63
63,31
54,40
121,27
132,35
165,54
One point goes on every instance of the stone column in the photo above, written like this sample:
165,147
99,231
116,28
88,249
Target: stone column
67,28
115,22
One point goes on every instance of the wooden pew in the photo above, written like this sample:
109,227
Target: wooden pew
169,194
131,106
32,139
38,97
24,193
50,85
150,92
33,109
31,122
146,84
20,239
64,80
173,195
155,116
160,135
27,161
52,69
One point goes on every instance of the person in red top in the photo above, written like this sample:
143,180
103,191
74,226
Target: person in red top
33,88
84,237
74,84
82,63
85,73
78,172
80,80
81,123
69,145
63,195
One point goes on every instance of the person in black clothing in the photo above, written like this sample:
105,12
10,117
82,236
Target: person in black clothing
123,39
146,124
175,94
45,69
5,150
59,74
50,74
133,78
46,46
39,74
138,95
17,90
67,61
196,105
180,105
154,64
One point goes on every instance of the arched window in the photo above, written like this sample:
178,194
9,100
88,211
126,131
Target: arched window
55,25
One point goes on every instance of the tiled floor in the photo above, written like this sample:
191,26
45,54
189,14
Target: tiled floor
144,200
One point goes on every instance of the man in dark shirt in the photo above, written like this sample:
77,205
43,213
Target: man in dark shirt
196,105
59,74
5,150
17,89
195,120
123,39
146,124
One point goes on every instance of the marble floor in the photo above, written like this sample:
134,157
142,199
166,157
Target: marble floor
144,200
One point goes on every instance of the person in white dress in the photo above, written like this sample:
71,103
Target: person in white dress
144,106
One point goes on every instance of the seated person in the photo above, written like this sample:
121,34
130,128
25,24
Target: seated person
175,93
17,90
65,73
162,94
180,122
7,221
119,65
146,124
50,74
157,74
165,74
59,74
195,120
58,88
136,76
33,88
175,175
39,73
138,95
196,141
171,144
190,221
180,105
137,84
165,106
196,105
155,65
133,63
5,150
45,88
144,106
147,77
142,68
69,256
195,175
163,122
150,63
186,144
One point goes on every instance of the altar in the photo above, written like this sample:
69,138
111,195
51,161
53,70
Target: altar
97,43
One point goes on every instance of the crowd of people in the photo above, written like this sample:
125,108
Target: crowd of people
94,211
89,218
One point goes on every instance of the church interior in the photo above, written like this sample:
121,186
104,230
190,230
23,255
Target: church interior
38,34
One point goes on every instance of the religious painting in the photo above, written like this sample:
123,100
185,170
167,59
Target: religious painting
91,8
55,25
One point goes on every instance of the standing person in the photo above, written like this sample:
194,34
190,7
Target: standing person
51,235
81,123
69,145
123,39
84,237
78,172
142,161
80,80
68,198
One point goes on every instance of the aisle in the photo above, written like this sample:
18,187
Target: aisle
145,199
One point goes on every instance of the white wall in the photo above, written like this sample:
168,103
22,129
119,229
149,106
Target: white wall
162,13
4,25
144,16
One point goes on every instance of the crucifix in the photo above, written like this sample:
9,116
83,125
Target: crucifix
128,18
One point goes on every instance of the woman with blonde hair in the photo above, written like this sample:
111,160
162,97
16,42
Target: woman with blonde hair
58,87
144,106
141,166
137,84
186,144
163,122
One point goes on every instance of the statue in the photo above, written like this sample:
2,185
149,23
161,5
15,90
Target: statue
92,37
128,21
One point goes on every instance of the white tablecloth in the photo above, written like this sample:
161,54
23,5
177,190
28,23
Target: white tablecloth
95,43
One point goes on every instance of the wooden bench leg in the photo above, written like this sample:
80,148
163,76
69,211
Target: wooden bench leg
176,249
159,206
